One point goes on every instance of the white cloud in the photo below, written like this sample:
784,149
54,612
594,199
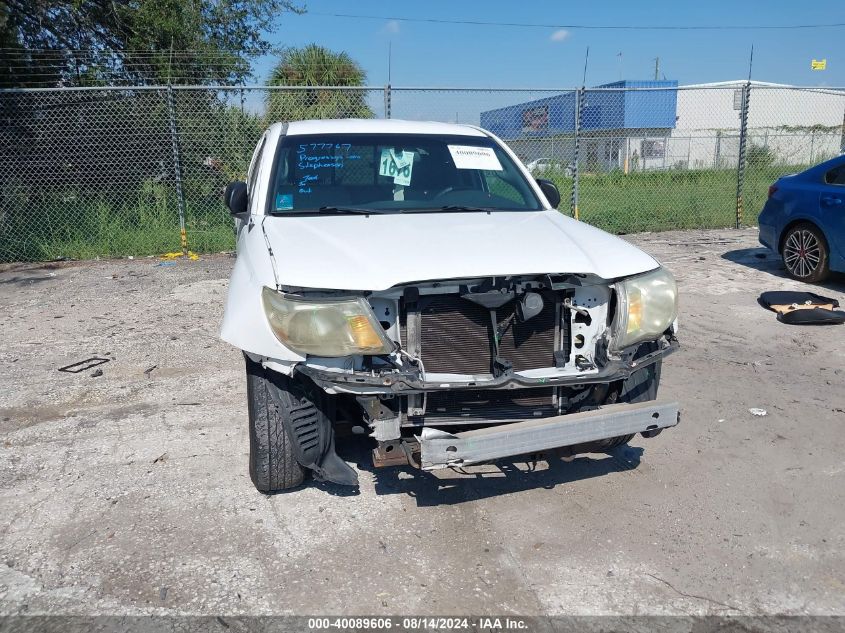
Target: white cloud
559,35
392,27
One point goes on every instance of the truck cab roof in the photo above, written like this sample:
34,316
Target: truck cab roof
379,126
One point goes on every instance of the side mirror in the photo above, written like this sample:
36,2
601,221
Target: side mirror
549,190
236,198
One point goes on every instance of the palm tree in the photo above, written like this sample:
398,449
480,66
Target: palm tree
315,65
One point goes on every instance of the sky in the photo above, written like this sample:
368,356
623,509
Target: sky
461,55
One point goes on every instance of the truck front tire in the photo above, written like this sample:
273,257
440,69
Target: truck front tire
272,464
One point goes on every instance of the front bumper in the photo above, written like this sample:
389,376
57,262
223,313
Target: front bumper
768,236
440,449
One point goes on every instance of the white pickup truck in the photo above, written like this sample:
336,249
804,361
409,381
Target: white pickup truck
414,279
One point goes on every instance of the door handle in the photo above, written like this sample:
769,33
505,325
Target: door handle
831,201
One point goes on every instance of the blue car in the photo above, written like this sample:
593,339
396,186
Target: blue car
804,221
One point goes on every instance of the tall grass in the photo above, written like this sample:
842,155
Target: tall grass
109,223
666,200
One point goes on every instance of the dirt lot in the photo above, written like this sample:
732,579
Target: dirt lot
128,493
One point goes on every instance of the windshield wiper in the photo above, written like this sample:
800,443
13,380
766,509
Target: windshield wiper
350,210
332,210
463,207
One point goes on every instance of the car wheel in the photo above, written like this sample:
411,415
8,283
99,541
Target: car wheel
272,464
805,253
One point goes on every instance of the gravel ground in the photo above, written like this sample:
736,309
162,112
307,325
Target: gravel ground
128,493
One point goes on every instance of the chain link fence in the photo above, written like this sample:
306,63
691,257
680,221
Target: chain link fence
101,172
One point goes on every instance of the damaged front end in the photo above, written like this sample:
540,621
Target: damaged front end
457,372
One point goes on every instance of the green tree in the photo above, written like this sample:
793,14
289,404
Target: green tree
85,42
315,65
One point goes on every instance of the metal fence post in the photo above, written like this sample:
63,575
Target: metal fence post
842,137
177,168
743,141
812,146
387,101
573,202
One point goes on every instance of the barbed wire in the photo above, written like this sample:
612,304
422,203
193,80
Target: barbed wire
50,68
58,68
53,67
616,27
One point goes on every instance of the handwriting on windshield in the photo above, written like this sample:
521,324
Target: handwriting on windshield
303,185
314,156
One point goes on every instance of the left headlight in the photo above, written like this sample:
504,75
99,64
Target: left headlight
325,327
646,306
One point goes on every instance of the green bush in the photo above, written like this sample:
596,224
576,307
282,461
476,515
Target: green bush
759,156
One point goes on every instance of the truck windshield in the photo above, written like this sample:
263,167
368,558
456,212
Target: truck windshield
396,173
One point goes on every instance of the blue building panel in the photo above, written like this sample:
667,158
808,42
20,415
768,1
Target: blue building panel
550,115
652,108
603,110
607,107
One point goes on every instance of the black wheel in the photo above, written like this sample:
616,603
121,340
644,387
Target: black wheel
641,386
272,464
805,253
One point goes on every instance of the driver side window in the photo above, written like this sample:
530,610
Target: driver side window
252,175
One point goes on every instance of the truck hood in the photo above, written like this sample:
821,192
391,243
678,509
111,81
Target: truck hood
376,252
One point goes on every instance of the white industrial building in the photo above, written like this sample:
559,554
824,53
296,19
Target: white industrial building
797,126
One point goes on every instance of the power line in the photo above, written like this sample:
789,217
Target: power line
616,27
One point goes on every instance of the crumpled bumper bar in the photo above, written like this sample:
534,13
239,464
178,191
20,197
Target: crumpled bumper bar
396,381
440,449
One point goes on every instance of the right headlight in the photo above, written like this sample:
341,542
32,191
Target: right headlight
646,305
325,327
